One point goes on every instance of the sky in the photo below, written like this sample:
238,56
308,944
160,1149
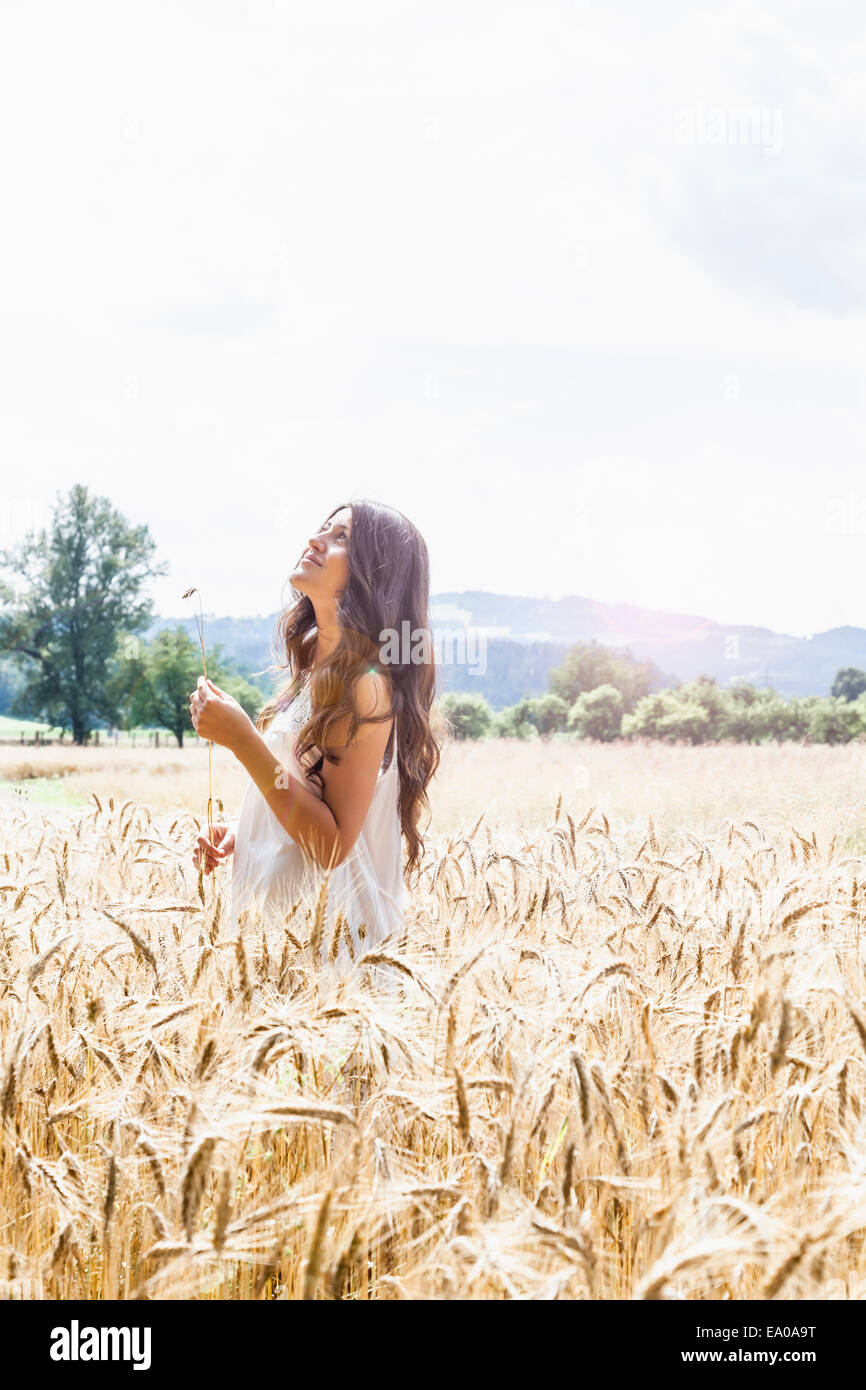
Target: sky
580,288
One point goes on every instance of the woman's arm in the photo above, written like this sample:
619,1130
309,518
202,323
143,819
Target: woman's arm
299,810
326,829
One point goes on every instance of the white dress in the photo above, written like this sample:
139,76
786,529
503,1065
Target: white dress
270,871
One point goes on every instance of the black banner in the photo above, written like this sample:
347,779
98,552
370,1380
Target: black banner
175,1337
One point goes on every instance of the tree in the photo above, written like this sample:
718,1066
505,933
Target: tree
705,692
835,720
469,716
248,696
153,681
80,583
515,721
849,683
754,714
548,713
11,682
597,713
798,714
665,716
589,665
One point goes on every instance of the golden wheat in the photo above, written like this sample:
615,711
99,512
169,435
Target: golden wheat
625,1060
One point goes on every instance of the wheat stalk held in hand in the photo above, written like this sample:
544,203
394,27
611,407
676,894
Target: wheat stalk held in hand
200,625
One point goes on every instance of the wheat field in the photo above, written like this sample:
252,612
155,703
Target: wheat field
618,1051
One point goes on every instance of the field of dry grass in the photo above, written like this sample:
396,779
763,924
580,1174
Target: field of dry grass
617,1052
514,783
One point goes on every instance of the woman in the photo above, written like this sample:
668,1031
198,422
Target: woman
340,759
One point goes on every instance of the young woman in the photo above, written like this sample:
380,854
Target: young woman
340,759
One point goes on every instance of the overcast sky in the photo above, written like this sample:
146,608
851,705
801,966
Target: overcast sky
580,288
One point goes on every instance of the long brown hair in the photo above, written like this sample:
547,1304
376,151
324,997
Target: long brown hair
388,590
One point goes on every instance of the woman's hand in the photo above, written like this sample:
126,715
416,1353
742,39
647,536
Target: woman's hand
217,716
211,853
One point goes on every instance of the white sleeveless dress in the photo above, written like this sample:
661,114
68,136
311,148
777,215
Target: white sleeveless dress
270,872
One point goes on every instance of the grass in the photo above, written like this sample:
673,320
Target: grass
621,1052
16,730
48,791
512,782
11,727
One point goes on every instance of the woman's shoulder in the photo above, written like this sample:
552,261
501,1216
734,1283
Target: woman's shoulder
373,695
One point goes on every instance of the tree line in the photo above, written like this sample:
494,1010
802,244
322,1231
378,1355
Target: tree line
601,694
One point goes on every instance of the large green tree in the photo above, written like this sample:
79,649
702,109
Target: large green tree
516,721
468,716
597,713
836,720
849,683
664,715
153,680
587,665
73,588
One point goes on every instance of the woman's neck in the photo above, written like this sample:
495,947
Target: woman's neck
327,640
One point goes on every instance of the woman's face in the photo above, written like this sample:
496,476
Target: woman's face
323,570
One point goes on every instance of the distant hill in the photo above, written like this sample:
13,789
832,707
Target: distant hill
521,639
